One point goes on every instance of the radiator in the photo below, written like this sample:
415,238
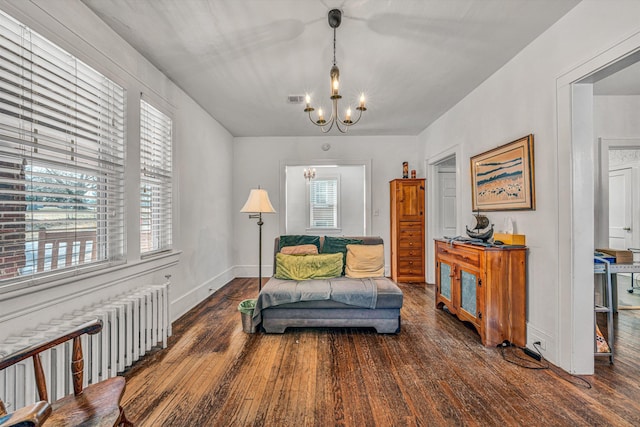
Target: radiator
133,323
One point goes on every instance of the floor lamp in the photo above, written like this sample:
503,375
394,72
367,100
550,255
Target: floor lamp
257,204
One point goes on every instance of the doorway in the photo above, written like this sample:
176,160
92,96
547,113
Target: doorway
580,202
443,201
445,187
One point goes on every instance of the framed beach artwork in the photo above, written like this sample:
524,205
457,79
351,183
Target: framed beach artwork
503,178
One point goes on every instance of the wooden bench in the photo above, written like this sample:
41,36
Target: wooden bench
95,405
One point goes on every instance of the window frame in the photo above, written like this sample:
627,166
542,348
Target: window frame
309,204
49,137
166,147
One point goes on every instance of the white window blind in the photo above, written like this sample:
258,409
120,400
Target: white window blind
155,179
61,158
323,203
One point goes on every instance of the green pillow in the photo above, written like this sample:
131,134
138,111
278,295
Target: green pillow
305,267
296,240
333,245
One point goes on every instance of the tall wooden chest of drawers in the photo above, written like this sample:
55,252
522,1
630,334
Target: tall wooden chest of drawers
407,230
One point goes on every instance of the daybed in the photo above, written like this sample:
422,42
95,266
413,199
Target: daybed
330,302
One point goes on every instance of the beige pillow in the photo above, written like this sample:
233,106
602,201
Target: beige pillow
299,250
365,261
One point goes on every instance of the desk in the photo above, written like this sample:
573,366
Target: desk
614,270
602,266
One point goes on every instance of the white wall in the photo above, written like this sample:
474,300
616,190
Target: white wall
202,169
257,161
520,99
616,116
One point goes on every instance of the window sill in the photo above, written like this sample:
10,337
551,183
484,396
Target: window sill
324,230
106,271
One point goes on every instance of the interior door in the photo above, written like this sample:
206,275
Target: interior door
447,203
620,209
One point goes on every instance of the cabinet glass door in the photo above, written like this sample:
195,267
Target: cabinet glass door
468,292
445,280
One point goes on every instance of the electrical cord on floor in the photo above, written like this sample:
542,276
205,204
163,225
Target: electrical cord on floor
529,363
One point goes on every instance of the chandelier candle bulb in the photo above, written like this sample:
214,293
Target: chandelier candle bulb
347,118
361,101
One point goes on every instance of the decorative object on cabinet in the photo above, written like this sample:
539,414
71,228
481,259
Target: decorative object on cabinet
484,285
481,231
405,169
407,230
503,178
510,239
413,174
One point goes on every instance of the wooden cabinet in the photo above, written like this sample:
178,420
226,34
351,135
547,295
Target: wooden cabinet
407,230
485,286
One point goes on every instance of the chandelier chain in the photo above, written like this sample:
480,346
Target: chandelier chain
334,46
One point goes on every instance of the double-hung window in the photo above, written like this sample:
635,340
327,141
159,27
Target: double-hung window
155,180
323,203
61,159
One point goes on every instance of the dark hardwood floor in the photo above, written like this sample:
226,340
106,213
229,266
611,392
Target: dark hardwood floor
435,372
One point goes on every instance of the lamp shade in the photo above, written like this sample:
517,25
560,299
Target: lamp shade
258,202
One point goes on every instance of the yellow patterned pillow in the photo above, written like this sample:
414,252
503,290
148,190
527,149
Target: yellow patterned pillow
305,267
365,261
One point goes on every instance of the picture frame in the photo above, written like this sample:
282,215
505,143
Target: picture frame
503,178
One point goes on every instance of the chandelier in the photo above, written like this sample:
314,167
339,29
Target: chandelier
310,173
334,17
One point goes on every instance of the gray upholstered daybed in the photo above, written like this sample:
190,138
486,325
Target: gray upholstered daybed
333,302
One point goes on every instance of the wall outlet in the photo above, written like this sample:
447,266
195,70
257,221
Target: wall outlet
542,345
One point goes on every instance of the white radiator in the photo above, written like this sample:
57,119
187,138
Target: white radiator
133,323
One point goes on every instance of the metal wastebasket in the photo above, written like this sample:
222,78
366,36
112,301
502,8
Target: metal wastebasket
246,313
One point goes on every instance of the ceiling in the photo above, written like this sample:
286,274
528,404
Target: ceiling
623,82
413,59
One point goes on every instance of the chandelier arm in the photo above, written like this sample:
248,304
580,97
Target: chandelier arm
322,126
340,129
310,119
330,126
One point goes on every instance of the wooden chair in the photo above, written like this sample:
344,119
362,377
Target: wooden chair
29,416
75,242
96,405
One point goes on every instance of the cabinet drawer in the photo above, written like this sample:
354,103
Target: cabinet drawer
459,254
414,243
410,264
413,252
410,232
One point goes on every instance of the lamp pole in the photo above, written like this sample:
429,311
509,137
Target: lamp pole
260,223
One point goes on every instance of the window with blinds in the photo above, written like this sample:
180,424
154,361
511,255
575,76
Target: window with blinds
155,180
323,203
61,159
